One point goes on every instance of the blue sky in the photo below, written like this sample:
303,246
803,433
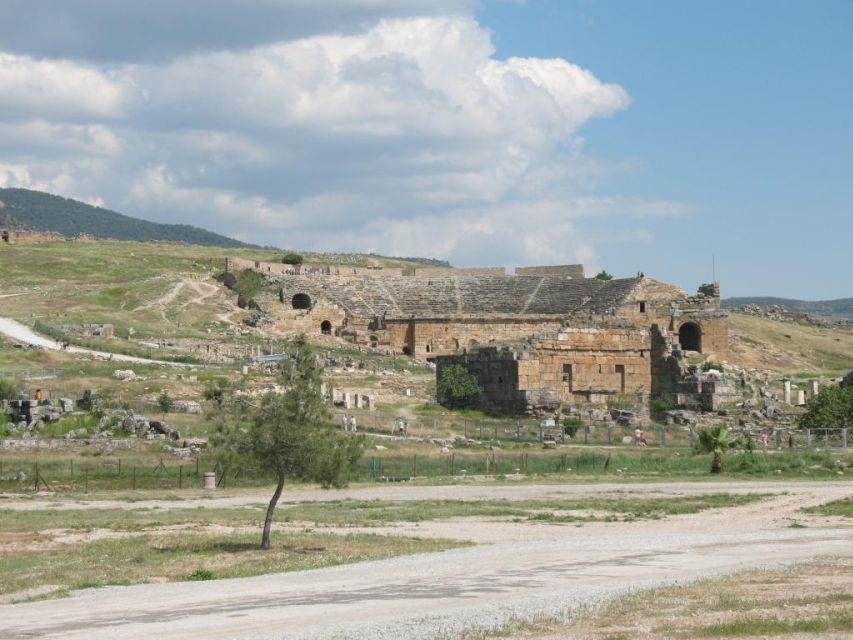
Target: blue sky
654,136
744,110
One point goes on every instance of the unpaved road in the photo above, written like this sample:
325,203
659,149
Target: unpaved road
561,568
22,333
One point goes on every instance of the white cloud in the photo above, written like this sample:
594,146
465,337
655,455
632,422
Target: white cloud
56,88
406,136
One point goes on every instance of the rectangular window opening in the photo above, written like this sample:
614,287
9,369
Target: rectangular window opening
567,375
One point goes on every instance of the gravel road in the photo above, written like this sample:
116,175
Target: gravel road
442,594
22,333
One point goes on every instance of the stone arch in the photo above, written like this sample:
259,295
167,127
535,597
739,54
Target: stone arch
428,348
326,328
374,341
690,337
301,301
407,350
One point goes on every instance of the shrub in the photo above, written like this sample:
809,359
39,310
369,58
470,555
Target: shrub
201,574
832,407
603,275
457,387
292,258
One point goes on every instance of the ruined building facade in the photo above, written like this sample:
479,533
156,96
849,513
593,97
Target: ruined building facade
542,336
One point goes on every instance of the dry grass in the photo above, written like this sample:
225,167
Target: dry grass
808,601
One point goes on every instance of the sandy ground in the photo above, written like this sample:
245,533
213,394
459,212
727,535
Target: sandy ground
519,571
23,333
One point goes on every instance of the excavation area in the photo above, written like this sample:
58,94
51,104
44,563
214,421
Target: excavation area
470,559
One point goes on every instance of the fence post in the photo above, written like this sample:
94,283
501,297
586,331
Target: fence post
691,436
586,434
844,437
808,437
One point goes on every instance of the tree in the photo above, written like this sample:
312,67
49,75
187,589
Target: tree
7,390
716,440
603,275
292,258
456,386
289,434
166,403
832,407
217,390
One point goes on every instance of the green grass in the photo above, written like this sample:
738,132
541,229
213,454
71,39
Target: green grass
843,507
759,626
176,557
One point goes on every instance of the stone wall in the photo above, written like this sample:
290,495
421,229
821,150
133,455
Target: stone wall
579,367
427,338
17,236
281,269
567,270
434,272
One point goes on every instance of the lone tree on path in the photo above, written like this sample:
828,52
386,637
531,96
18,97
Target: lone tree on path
289,434
716,440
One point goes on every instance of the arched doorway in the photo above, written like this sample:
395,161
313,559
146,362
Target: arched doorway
690,337
407,351
301,301
326,328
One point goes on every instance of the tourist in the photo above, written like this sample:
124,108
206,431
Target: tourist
637,435
352,424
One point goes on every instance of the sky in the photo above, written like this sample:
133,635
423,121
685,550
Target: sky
688,140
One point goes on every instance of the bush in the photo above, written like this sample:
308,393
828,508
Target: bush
832,407
248,283
201,574
603,275
292,258
7,390
457,387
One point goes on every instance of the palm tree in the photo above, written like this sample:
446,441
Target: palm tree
716,440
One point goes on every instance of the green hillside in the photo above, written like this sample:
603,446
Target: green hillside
46,212
840,307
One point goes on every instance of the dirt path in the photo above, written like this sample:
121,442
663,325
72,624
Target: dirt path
551,570
202,291
23,333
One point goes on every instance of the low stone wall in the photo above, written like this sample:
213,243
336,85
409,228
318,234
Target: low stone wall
55,444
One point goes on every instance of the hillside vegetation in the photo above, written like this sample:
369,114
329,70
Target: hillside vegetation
839,307
45,212
159,289
787,347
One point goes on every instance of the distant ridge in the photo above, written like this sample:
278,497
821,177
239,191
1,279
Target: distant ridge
839,307
46,212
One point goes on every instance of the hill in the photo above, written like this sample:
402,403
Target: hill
839,307
45,212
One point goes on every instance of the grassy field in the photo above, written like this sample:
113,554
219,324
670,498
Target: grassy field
789,348
93,470
809,601
836,508
76,548
188,555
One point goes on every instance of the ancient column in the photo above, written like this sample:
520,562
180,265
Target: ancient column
787,387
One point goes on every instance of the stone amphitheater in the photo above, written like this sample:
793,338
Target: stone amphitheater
532,336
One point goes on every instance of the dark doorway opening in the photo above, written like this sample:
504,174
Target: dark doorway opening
301,301
690,337
326,328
